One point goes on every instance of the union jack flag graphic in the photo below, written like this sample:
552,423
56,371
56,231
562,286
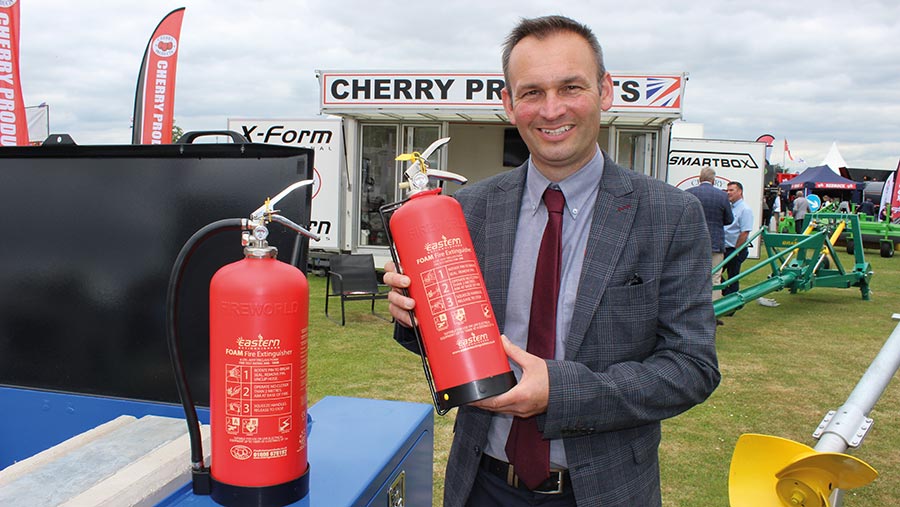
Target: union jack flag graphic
663,91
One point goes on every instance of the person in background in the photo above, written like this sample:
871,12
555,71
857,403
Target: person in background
633,341
717,211
766,209
868,207
801,208
736,233
776,211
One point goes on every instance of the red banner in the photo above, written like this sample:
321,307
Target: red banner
895,195
13,122
154,101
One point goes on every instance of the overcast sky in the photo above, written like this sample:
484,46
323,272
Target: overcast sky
811,72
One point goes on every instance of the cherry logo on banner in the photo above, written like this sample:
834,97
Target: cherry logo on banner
154,101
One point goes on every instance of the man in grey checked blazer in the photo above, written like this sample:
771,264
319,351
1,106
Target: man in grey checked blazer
639,344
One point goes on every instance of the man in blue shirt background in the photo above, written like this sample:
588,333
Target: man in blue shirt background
736,233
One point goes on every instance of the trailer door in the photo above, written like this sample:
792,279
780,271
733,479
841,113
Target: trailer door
636,149
380,174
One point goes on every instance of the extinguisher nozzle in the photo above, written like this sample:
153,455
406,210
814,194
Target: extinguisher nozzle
200,481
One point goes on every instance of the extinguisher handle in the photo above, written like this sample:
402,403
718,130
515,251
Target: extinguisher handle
418,172
447,176
268,213
268,206
294,227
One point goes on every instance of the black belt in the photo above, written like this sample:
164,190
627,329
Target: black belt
554,485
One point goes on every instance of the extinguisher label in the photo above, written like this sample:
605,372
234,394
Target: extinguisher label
259,386
458,303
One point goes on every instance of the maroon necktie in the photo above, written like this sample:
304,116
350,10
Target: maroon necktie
526,448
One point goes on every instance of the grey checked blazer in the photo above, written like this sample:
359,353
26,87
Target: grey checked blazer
635,354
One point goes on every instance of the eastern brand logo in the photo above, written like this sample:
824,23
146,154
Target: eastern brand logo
472,340
164,45
712,159
445,242
258,342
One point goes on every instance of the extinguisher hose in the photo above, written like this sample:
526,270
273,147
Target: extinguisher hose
175,278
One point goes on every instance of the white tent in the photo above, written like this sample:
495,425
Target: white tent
834,160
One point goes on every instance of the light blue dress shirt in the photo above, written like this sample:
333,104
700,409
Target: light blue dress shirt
580,190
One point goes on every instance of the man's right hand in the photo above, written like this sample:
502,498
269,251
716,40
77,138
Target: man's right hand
400,305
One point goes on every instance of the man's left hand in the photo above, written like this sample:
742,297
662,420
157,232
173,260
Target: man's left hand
531,395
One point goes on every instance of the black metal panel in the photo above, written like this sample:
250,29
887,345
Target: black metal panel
89,237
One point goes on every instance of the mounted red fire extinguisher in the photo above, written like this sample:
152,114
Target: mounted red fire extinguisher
462,354
259,317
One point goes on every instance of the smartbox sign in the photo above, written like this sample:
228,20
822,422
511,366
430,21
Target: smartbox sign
360,90
712,159
741,161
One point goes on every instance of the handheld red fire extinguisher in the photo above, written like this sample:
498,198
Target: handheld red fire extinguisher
259,317
458,336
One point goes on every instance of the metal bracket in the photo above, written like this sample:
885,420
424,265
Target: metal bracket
851,427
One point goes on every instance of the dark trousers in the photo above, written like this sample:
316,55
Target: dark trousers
732,269
490,491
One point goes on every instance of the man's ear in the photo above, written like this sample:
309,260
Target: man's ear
606,92
508,104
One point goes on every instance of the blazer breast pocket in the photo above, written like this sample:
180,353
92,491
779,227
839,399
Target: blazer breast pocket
628,313
630,302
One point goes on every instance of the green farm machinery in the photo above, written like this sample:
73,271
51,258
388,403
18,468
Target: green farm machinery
800,262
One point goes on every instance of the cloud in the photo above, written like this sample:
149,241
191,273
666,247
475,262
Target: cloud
811,72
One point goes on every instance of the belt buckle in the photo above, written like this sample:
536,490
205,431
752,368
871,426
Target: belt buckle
511,478
559,484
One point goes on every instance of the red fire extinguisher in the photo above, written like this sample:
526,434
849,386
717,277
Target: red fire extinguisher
259,317
463,356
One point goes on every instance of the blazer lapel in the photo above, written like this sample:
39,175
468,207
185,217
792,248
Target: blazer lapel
501,219
614,214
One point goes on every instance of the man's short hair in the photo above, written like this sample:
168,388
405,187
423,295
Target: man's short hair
737,184
707,174
799,193
549,25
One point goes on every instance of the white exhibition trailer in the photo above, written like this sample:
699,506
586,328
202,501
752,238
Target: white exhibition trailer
368,118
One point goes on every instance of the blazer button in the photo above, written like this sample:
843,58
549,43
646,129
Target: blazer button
477,450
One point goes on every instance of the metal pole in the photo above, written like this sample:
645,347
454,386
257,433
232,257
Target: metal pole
863,398
849,424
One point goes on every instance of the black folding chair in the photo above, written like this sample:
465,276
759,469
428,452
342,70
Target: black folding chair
352,277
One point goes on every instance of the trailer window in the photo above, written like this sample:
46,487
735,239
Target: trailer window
377,180
380,173
636,150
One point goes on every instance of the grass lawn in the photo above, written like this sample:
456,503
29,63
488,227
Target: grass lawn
782,369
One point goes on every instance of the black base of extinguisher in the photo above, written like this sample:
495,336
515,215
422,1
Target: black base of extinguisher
266,496
476,390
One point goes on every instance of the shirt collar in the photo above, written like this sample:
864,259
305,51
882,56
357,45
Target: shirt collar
577,188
